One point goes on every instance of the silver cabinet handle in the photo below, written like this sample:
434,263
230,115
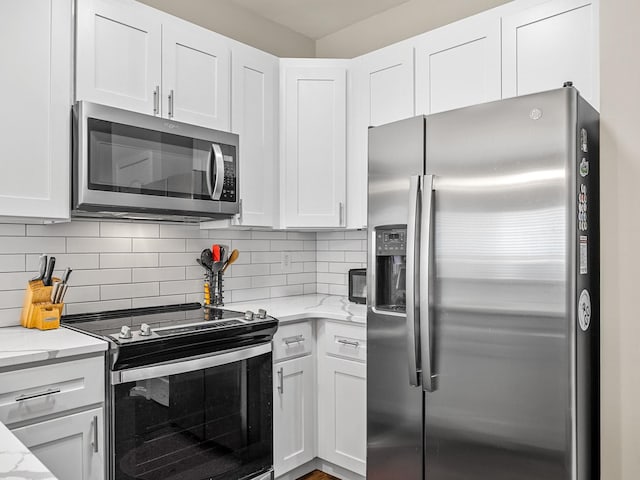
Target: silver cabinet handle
296,339
49,391
426,198
341,214
94,424
171,95
281,380
352,343
413,235
156,100
219,166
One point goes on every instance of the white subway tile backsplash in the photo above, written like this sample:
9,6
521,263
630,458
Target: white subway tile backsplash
123,264
98,245
12,263
32,245
286,245
129,230
99,277
160,274
97,306
130,260
181,286
261,235
268,281
69,229
160,245
338,290
12,229
129,290
301,278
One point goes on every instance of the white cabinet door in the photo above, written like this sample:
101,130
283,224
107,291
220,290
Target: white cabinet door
254,76
71,447
551,43
118,61
294,414
342,413
36,83
195,75
314,147
459,65
381,91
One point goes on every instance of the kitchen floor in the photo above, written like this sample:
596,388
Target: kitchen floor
317,475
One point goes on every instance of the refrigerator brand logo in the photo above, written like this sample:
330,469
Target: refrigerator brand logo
170,126
535,114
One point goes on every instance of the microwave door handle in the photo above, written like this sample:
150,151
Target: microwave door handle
209,172
426,233
219,167
412,279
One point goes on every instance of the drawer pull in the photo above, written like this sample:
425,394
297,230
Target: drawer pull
352,343
295,339
49,391
95,433
281,380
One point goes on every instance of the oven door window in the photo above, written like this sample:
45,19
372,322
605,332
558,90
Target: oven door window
209,424
136,160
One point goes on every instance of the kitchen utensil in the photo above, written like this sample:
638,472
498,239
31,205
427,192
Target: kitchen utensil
66,275
206,258
46,280
215,250
232,258
62,293
42,268
55,291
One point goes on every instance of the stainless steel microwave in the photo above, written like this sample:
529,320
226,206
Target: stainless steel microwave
131,165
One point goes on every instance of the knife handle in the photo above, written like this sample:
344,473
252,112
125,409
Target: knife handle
49,273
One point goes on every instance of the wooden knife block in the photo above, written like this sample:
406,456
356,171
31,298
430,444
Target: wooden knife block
37,309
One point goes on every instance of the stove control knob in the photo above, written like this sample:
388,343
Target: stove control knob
262,313
125,332
248,315
145,330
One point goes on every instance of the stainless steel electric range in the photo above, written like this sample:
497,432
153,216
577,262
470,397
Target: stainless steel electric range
189,392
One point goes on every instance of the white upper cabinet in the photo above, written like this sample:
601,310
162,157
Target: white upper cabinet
381,91
134,57
195,75
36,62
459,65
551,43
119,56
254,76
313,142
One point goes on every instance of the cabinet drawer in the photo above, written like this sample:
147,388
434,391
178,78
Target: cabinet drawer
34,392
292,340
346,341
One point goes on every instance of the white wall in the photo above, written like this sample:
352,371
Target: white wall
620,233
223,17
404,21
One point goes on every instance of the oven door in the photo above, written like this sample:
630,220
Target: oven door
130,162
201,418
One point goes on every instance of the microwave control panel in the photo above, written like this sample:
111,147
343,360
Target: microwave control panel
391,242
230,184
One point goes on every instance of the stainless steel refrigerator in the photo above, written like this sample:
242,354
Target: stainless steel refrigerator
482,323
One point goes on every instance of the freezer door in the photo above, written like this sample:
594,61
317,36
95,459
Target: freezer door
502,328
394,407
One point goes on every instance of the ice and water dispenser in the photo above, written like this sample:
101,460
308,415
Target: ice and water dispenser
390,268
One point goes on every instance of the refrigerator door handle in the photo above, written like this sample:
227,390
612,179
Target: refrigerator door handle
412,279
426,200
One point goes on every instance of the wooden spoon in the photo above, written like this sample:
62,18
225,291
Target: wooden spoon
232,258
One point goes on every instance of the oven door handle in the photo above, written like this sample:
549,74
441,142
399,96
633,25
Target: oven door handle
189,365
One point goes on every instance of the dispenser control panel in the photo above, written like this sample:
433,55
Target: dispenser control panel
391,242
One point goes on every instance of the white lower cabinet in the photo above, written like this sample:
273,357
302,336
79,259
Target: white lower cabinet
71,447
294,413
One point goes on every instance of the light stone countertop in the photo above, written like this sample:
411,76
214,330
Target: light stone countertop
20,345
287,309
17,462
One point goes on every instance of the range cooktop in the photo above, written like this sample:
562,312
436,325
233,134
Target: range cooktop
157,334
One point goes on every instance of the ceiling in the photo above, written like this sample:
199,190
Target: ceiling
317,18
